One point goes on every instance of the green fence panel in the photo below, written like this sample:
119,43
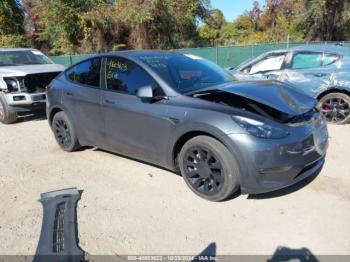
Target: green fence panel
260,49
63,60
232,56
225,56
78,58
68,60
207,52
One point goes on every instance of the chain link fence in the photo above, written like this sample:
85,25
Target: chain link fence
225,56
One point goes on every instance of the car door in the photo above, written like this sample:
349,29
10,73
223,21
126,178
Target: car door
269,67
82,99
135,127
310,71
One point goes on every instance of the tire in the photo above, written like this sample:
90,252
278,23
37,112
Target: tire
64,132
336,108
200,176
6,115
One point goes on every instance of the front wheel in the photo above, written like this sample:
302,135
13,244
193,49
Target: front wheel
6,115
64,132
336,108
209,168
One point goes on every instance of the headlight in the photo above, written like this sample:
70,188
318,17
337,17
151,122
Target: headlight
260,129
12,85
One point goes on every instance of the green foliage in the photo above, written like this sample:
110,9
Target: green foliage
13,41
277,22
161,23
11,24
326,19
90,26
61,22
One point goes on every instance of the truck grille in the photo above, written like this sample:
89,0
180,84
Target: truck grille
34,83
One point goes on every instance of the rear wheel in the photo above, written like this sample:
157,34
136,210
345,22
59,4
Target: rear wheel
6,115
64,132
336,108
208,168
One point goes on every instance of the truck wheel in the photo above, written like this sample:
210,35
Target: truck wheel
336,108
209,168
6,115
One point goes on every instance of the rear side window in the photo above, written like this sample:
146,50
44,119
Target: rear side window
307,60
86,73
125,76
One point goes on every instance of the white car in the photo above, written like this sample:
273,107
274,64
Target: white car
24,75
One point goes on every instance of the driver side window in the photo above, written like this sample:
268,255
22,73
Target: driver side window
270,63
125,76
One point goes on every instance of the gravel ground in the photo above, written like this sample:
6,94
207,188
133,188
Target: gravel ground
128,207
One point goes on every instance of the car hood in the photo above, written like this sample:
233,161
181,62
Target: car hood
273,94
23,70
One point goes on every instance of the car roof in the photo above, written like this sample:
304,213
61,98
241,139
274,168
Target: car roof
137,53
317,48
323,48
15,49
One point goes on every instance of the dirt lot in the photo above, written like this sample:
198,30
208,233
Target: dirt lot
132,208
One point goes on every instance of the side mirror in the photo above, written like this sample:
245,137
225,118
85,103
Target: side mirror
145,92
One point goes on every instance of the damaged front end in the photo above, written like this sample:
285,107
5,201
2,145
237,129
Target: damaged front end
27,92
282,139
270,100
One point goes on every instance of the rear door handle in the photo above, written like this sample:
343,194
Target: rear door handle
69,94
111,102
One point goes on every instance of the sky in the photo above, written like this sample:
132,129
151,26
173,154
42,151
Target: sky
233,8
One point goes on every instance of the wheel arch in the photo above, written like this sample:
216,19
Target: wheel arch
182,139
333,90
53,112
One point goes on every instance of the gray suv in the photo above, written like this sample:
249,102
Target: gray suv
187,114
321,71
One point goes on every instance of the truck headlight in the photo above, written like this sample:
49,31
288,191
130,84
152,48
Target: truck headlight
260,129
12,85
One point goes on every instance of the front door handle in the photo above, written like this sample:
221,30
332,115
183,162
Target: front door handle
109,102
320,74
69,94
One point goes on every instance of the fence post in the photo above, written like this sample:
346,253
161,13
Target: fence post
216,54
252,50
70,60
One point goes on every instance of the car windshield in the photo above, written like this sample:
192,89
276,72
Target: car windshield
23,57
186,73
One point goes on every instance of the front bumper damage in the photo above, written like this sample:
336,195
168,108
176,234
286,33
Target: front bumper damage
25,99
267,165
59,233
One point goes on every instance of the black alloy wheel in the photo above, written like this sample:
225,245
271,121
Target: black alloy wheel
203,170
209,169
64,132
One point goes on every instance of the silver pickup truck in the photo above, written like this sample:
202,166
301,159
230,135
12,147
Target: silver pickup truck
24,74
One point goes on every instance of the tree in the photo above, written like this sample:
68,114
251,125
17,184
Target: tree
60,23
214,22
326,19
11,24
161,23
